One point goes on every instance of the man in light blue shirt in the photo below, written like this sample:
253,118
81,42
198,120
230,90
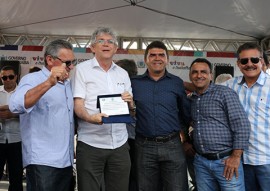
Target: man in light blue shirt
253,89
45,104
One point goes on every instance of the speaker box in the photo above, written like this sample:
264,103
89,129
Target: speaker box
15,64
224,70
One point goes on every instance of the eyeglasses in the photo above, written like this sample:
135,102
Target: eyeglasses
68,62
254,60
103,41
10,77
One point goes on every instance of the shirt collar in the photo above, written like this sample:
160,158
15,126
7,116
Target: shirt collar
146,74
209,89
46,71
96,64
2,89
261,80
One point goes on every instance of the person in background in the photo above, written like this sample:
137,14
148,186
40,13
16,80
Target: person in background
128,65
10,136
221,78
190,153
34,69
131,67
102,149
253,91
221,132
162,108
265,62
45,104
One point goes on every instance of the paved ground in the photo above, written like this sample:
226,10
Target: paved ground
4,186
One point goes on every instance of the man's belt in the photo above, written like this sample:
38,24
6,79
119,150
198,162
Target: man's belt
217,156
162,139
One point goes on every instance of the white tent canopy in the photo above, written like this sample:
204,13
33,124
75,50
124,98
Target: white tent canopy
192,19
220,20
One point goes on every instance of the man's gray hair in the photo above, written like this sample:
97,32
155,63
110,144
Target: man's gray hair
54,46
103,30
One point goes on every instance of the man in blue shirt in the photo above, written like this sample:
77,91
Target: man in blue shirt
161,109
253,91
45,104
221,132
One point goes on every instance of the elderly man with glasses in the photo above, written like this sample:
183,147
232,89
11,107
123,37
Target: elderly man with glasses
45,104
102,149
254,94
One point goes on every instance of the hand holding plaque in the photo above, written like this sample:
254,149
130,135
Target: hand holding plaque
114,106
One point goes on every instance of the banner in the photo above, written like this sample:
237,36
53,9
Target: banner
179,61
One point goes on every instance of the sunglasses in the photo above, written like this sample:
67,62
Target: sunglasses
10,77
254,60
68,62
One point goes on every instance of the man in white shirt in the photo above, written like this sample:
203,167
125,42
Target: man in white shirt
10,137
102,149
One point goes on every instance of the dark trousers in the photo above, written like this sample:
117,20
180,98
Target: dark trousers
160,163
46,178
12,154
132,177
94,163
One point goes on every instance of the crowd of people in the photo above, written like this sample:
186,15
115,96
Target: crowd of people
219,133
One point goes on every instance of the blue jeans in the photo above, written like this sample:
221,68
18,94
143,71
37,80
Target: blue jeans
257,178
160,165
209,176
46,178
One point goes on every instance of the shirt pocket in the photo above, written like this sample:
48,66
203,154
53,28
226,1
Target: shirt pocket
120,87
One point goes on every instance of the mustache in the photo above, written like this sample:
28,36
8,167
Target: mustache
249,67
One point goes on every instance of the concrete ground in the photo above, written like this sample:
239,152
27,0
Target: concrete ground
4,185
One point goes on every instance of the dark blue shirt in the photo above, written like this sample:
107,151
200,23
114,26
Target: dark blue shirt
219,121
161,106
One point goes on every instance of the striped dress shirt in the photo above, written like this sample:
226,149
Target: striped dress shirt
256,102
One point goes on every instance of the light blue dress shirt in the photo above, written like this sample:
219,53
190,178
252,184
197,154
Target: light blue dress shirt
47,128
256,102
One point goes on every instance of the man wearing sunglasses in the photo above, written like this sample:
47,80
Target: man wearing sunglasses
10,136
254,94
45,104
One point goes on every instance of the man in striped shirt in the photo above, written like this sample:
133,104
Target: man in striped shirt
253,89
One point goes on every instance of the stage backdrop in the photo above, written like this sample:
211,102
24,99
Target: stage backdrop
179,64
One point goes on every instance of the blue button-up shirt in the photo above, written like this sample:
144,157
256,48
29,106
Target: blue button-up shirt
47,127
161,106
219,120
